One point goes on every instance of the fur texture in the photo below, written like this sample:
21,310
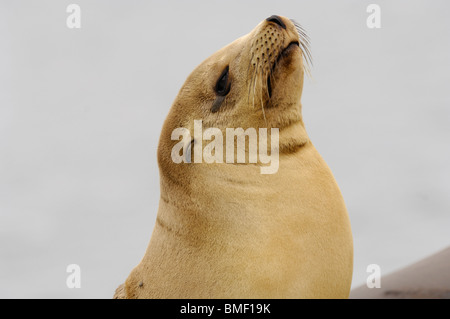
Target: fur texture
226,230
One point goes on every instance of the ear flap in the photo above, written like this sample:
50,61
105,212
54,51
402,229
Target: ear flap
217,103
188,152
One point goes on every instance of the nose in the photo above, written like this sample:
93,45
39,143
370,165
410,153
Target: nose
277,20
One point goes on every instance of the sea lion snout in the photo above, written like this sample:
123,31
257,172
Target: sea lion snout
278,20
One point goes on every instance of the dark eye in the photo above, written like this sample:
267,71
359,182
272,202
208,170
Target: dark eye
223,86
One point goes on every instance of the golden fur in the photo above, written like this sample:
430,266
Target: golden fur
226,230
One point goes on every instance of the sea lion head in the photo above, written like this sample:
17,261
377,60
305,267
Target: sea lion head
254,82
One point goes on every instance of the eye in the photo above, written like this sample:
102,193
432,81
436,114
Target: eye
223,86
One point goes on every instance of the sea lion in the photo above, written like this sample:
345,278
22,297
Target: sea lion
224,230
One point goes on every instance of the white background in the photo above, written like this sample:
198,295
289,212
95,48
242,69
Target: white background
81,112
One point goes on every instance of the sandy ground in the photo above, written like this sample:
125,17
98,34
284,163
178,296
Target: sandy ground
428,278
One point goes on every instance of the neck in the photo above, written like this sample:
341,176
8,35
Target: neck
208,198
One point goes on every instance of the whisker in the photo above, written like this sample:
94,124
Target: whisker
261,97
248,76
305,46
265,76
273,65
254,83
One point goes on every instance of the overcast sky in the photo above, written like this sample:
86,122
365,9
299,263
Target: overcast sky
81,112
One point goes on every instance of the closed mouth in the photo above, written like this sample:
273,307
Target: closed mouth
285,52
290,46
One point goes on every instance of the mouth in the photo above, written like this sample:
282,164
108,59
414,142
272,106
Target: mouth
291,45
284,53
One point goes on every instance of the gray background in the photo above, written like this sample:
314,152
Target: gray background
81,112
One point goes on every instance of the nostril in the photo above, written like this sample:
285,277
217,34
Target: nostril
277,20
